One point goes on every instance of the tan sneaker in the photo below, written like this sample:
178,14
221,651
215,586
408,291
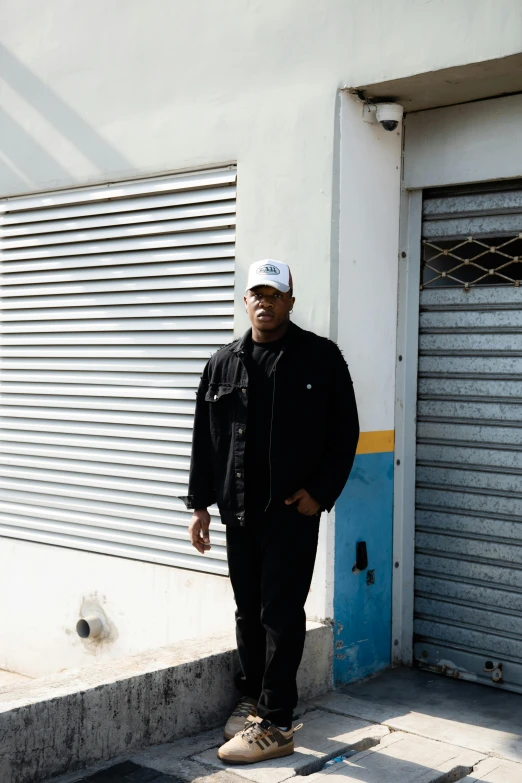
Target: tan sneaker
259,741
244,711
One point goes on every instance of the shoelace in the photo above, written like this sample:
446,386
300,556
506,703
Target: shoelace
243,709
254,731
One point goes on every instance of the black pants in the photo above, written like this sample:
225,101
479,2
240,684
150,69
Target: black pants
271,563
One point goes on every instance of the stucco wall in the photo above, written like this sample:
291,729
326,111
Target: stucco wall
46,589
96,91
145,605
370,177
470,143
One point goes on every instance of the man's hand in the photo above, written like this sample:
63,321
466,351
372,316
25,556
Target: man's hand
198,530
306,504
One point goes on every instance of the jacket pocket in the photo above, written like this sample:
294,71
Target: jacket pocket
222,406
216,392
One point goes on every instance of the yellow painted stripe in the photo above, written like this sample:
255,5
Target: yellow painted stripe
376,442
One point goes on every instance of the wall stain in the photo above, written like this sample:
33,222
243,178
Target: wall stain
93,605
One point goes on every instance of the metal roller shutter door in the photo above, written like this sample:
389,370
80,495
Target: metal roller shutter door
468,574
113,299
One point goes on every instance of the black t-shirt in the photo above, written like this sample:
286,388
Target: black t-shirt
259,363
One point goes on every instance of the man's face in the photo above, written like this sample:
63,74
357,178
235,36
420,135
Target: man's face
268,308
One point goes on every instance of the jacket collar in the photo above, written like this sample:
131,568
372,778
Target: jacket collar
294,333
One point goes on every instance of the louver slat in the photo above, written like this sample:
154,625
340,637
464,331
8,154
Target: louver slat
113,299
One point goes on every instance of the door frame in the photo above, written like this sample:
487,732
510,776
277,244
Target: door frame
406,362
430,161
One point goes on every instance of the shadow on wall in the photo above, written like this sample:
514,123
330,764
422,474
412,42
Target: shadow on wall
21,154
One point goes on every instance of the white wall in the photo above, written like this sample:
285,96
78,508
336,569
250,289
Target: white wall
459,144
45,591
45,588
370,180
319,605
98,91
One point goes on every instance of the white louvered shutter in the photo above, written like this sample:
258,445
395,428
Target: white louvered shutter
113,299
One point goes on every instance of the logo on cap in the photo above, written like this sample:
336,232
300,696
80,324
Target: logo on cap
268,269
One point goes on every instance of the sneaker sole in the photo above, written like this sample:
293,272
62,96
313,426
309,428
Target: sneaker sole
286,751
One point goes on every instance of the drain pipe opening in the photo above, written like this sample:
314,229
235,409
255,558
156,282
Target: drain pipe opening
88,627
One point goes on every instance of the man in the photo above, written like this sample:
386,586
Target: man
275,434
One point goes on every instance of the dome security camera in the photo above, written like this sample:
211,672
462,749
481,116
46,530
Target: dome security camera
389,115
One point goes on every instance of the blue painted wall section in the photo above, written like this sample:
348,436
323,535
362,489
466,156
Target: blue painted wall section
362,601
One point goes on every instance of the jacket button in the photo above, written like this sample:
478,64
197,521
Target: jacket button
215,396
240,432
238,475
244,391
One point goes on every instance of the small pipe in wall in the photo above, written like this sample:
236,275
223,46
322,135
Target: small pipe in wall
89,627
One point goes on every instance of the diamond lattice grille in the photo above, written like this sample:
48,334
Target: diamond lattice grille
472,261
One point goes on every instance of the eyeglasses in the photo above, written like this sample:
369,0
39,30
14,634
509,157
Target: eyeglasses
278,297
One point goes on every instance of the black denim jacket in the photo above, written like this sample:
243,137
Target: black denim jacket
315,427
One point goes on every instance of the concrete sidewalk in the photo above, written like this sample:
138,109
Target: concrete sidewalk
401,727
71,720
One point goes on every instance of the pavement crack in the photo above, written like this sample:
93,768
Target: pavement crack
455,774
318,764
345,714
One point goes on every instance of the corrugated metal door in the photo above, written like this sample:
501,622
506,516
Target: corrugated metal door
113,298
468,567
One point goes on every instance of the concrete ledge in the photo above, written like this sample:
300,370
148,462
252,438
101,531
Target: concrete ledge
68,721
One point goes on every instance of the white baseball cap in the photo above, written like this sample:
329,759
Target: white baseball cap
269,272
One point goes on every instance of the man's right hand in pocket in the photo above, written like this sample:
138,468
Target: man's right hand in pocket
199,530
